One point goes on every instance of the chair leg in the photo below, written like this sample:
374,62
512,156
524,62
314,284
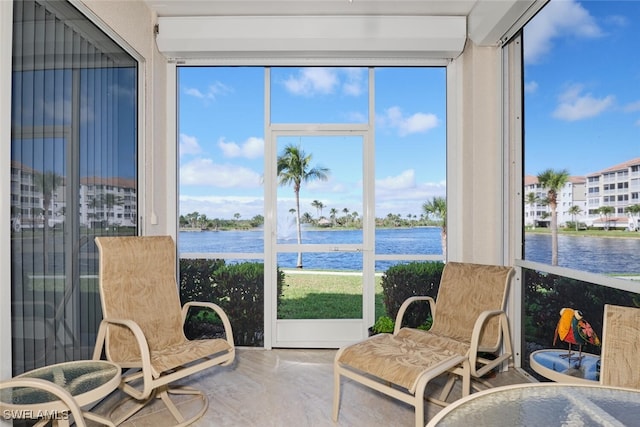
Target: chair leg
336,393
164,395
446,391
137,406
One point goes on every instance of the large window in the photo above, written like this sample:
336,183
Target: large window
581,164
73,176
582,116
375,139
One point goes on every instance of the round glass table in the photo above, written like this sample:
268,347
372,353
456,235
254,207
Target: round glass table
557,365
543,404
87,381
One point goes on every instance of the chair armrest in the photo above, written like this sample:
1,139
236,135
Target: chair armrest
505,337
218,310
406,304
143,346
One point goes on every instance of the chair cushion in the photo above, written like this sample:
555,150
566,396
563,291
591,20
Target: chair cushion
466,290
401,359
172,357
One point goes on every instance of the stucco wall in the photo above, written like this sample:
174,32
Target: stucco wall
475,201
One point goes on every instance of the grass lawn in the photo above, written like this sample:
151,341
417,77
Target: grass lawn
323,295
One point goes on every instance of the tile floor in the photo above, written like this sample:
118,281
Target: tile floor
286,387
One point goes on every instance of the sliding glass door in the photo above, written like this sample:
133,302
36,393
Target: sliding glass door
73,176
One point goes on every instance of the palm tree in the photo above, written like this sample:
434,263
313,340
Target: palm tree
553,181
111,200
318,205
306,217
633,211
294,168
346,215
532,200
332,214
437,207
605,212
574,211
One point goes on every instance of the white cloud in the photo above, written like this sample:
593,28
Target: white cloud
312,81
354,82
194,92
416,123
205,172
577,106
531,87
323,81
617,20
211,93
403,195
559,18
189,145
252,148
405,180
632,107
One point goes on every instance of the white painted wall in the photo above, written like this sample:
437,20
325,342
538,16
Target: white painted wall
475,164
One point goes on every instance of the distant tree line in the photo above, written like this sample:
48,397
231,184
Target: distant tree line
198,221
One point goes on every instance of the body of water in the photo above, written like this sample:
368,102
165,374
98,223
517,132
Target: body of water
593,254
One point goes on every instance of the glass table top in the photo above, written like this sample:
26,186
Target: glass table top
78,378
546,405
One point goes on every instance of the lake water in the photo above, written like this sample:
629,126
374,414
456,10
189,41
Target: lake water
593,254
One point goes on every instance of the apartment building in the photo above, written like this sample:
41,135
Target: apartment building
103,201
617,186
538,214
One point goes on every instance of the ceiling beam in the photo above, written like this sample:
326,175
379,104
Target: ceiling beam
411,37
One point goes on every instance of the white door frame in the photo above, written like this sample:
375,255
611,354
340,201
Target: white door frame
318,333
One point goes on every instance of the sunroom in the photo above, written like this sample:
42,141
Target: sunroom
111,112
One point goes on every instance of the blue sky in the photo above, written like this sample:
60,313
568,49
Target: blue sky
222,137
582,98
582,86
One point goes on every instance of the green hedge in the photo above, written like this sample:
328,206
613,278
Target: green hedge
402,281
237,288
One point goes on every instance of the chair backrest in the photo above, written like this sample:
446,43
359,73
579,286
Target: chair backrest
466,290
620,357
137,279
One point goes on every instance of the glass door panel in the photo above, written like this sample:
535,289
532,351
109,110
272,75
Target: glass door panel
320,239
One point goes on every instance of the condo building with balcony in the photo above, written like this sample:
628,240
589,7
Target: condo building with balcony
617,187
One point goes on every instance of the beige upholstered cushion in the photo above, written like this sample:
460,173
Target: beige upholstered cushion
466,290
621,347
138,282
400,359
